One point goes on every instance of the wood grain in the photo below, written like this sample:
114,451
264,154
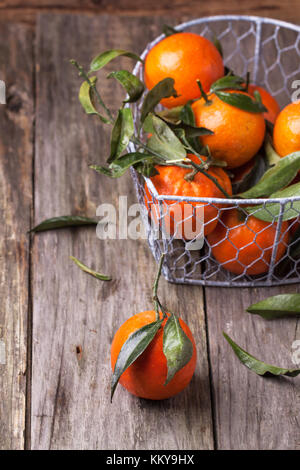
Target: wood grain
252,412
74,315
16,117
27,10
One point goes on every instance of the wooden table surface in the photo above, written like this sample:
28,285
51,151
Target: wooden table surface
57,323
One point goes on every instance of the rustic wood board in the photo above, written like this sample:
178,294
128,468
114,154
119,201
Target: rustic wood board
252,412
16,118
27,10
72,311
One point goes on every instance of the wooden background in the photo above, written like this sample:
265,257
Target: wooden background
57,323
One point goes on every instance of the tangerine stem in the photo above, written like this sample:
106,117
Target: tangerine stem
155,286
203,94
190,176
247,82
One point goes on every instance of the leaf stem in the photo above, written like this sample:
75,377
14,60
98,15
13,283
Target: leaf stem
83,74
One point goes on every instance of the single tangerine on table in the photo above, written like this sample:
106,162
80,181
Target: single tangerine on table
185,57
268,101
286,135
146,377
238,134
182,215
246,246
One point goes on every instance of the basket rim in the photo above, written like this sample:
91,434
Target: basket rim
259,20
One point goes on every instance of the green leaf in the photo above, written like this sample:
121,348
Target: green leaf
270,212
131,83
276,178
172,115
233,82
178,114
187,115
146,169
192,132
163,89
132,349
119,167
257,366
163,139
86,96
183,117
121,134
257,96
90,271
177,347
63,222
252,177
277,306
102,59
241,101
169,30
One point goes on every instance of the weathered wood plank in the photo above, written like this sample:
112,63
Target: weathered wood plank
252,412
16,117
27,10
72,311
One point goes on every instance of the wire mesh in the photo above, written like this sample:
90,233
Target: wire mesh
214,241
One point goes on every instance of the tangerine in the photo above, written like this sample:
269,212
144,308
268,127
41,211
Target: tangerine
182,217
245,246
185,57
146,377
286,135
238,134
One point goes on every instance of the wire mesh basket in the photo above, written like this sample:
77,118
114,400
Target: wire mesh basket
270,51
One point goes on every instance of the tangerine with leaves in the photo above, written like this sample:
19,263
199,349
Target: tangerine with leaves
146,377
182,217
237,134
185,57
153,354
246,246
286,135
